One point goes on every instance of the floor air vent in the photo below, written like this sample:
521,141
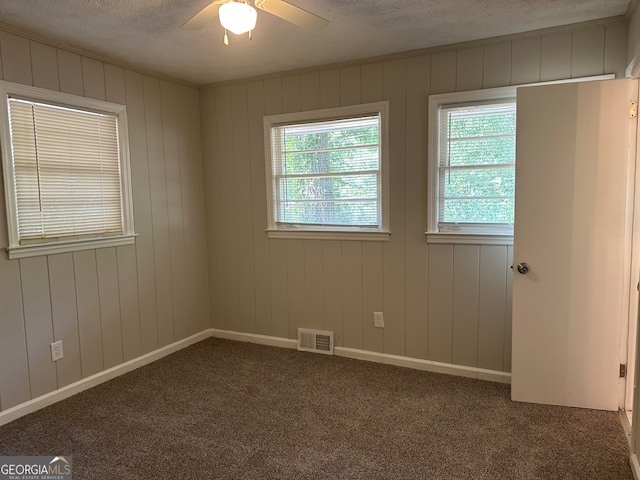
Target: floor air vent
315,341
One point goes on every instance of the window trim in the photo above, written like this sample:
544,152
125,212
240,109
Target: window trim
435,102
61,245
330,232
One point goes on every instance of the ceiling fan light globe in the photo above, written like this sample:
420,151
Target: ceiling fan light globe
237,17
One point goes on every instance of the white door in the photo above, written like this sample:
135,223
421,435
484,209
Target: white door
571,228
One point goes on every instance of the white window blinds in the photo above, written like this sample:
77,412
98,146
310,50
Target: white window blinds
66,171
476,168
328,173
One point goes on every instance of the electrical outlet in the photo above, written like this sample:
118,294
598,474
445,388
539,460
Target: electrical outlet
56,351
378,320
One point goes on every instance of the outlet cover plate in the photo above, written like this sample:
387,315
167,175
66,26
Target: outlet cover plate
378,320
56,351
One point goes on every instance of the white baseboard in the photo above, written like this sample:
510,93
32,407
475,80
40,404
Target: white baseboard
426,365
30,406
635,467
254,338
47,399
400,361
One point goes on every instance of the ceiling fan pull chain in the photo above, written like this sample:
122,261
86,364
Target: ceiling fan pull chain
226,37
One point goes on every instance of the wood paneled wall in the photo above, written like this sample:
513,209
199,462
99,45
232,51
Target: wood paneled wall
114,304
447,303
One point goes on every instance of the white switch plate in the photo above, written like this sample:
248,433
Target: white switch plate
378,320
56,351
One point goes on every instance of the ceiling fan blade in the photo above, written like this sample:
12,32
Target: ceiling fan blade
292,14
204,16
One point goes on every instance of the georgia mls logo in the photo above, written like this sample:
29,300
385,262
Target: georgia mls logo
35,468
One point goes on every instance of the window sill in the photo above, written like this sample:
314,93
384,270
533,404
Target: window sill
329,235
36,250
469,238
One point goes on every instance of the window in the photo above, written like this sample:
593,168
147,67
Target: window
476,167
66,172
327,173
472,162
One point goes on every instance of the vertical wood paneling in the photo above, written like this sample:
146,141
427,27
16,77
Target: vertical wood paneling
587,52
272,96
350,85
116,91
93,78
395,81
261,252
159,213
214,207
373,296
111,327
440,302
241,161
196,318
508,310
310,91
469,69
114,84
197,189
16,58
70,72
142,211
615,54
278,248
38,324
14,369
89,329
313,284
279,289
332,288
65,317
129,308
352,294
193,321
224,112
329,88
296,286
466,276
416,266
525,61
125,282
372,82
443,72
291,93
555,57
173,182
496,65
492,305
44,65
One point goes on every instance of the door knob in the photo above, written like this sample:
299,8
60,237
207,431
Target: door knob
523,268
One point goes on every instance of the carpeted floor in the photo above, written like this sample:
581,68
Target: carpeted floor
230,410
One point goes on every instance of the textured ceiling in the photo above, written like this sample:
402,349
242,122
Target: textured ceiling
147,33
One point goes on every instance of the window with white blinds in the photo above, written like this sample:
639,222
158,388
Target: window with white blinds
65,172
328,170
476,167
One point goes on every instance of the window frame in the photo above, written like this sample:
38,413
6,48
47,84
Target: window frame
330,232
55,245
470,97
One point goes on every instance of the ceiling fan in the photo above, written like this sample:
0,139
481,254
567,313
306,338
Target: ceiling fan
239,16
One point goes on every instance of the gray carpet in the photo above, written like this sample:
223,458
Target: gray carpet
230,410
